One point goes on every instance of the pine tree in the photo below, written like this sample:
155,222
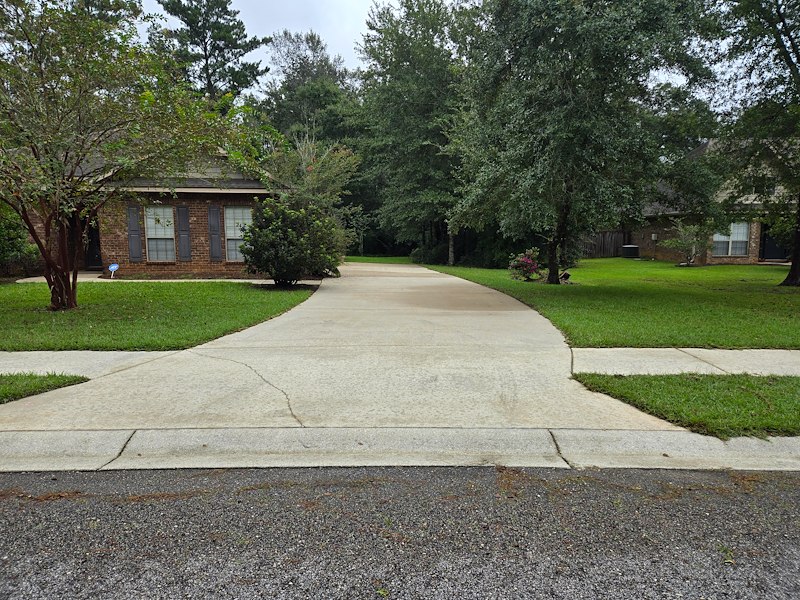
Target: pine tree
212,45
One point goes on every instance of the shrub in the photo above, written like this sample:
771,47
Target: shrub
525,266
691,239
290,244
430,255
17,255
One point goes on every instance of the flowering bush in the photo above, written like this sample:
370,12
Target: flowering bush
525,266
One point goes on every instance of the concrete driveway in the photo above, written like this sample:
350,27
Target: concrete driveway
385,346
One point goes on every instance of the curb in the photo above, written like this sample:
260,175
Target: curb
363,447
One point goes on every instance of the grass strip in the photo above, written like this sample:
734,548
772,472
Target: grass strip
617,303
389,260
137,315
724,406
14,387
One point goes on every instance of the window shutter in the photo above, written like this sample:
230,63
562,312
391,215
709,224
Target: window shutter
134,234
214,236
184,239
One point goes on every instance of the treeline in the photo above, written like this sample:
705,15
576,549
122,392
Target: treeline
484,128
474,130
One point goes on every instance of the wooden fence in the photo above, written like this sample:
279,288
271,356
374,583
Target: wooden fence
606,244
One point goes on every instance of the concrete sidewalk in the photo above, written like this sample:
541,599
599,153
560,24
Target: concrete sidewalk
391,364
611,361
664,361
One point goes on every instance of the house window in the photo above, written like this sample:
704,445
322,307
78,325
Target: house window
159,226
735,243
236,217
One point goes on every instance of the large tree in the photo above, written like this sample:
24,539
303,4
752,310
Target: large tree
310,89
763,60
409,91
84,109
212,45
557,134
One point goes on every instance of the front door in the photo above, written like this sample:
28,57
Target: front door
94,261
770,248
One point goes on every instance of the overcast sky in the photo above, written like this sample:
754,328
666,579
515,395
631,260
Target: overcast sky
340,23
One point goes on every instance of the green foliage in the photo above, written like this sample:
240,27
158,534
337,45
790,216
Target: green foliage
312,88
290,244
16,253
296,234
724,406
619,303
84,110
762,39
133,315
312,173
409,96
211,46
435,254
691,239
556,134
21,385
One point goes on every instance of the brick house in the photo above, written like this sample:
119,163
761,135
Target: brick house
193,228
743,243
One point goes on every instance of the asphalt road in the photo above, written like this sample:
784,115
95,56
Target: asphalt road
400,533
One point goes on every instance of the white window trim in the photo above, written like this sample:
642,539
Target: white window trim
149,237
728,239
248,209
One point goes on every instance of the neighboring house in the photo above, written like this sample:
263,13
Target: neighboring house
745,242
193,228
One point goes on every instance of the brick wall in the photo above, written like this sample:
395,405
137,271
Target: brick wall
114,237
753,248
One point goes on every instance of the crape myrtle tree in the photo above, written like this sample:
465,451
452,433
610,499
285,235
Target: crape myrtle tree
212,45
295,231
557,135
85,108
763,141
409,92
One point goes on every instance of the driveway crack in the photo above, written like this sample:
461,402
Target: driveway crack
121,450
558,449
261,377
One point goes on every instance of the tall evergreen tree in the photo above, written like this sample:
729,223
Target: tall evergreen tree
409,91
212,44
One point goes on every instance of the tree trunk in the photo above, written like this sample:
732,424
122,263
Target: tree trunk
62,274
560,236
552,261
793,278
451,249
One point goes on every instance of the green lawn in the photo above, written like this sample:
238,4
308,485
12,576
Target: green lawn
137,315
647,304
14,387
720,405
392,260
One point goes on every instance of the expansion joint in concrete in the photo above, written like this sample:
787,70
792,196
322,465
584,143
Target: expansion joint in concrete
262,378
703,361
571,361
